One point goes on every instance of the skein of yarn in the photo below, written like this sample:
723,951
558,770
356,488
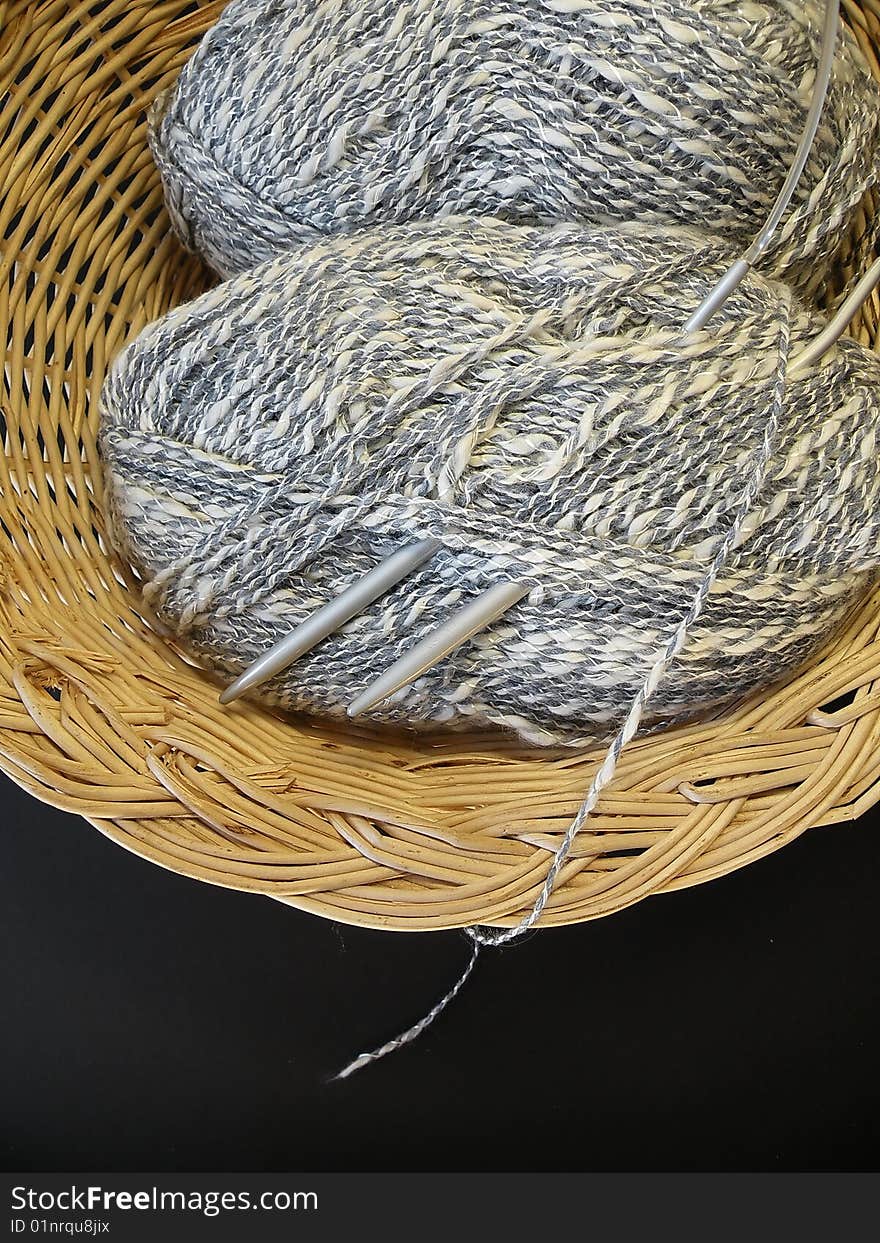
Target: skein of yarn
525,396
296,120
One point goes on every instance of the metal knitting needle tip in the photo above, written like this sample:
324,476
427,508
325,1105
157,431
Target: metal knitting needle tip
463,625
333,615
821,344
737,272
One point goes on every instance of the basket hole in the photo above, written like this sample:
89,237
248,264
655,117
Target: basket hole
835,705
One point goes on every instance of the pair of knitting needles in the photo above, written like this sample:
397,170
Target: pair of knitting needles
493,603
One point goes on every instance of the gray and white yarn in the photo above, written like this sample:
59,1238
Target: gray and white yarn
294,120
524,395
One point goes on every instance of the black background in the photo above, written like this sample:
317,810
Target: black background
152,1022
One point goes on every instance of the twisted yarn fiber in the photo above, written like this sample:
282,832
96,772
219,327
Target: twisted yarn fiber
524,395
297,119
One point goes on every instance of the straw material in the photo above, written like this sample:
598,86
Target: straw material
100,716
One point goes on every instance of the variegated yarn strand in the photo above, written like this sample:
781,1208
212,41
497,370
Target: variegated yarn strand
483,937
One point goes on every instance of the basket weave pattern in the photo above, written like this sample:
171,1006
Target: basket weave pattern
99,715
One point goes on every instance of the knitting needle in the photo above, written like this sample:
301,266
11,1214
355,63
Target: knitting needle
333,615
836,328
495,601
463,625
737,272
490,605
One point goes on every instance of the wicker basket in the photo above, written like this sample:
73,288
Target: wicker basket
99,716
